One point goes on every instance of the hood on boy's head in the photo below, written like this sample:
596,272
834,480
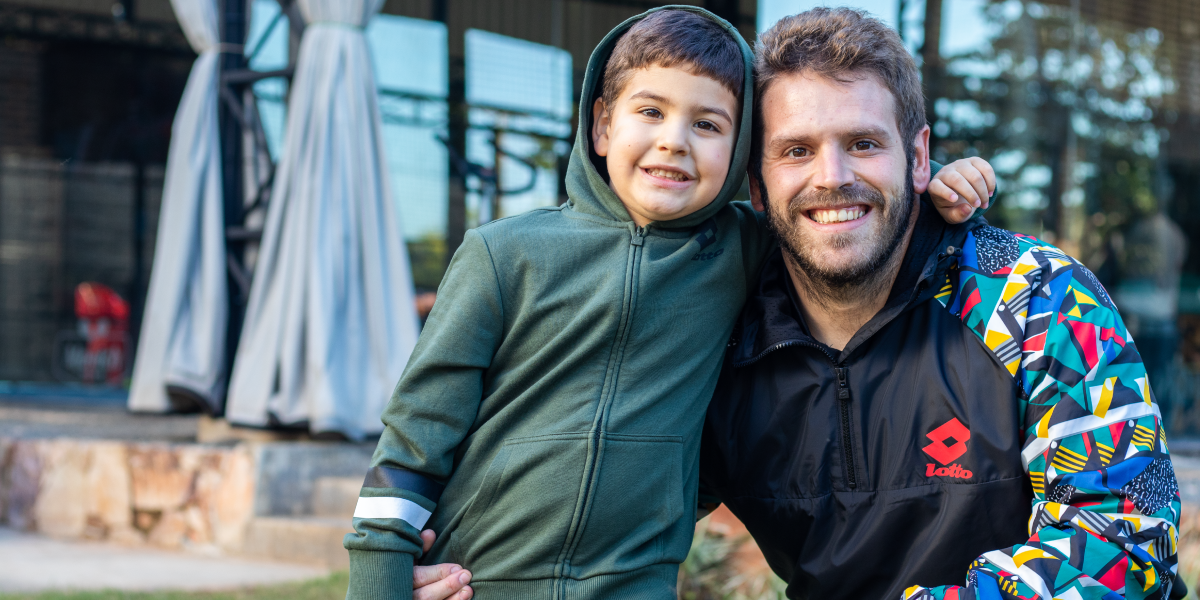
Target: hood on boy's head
587,185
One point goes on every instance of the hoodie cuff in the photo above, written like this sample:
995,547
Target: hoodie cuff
380,574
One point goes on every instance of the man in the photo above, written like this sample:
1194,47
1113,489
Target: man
899,392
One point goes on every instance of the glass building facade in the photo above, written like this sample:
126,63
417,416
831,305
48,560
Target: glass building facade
1088,109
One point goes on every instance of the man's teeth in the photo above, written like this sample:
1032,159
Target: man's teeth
665,174
837,216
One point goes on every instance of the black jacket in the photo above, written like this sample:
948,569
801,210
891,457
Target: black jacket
898,460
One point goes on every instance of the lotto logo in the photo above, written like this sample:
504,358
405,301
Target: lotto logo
940,450
954,470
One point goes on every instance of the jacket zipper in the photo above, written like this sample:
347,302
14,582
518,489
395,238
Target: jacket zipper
637,238
843,395
843,376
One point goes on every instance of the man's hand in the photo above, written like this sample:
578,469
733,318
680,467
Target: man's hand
440,582
961,187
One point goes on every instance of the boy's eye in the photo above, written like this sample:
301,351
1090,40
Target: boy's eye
863,145
798,152
651,112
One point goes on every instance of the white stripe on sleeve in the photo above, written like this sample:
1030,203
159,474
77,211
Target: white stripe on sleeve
392,508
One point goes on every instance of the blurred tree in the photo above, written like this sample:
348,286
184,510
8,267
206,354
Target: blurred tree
1064,106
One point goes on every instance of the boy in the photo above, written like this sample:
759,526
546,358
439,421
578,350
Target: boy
548,422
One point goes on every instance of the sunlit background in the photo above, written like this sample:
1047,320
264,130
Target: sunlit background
1088,109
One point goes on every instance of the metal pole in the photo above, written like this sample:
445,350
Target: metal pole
234,21
456,104
931,56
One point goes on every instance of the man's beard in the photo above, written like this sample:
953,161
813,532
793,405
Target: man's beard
865,269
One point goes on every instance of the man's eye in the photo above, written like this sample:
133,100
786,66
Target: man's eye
798,152
863,146
706,125
651,112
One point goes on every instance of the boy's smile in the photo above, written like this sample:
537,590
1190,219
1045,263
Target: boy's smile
668,141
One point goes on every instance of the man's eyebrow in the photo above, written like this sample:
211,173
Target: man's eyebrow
786,142
877,132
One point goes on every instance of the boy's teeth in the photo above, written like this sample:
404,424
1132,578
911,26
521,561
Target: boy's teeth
837,216
665,174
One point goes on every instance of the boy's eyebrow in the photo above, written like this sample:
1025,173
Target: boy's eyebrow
655,97
650,96
716,110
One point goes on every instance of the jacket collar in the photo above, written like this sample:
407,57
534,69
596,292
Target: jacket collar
770,320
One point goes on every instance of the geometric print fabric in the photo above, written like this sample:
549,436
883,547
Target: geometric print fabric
1106,503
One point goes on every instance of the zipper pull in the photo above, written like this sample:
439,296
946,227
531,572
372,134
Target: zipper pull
843,384
639,233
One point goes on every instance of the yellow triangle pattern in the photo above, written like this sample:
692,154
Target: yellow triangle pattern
1106,396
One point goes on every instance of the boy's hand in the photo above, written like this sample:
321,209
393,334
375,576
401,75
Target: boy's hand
440,582
961,187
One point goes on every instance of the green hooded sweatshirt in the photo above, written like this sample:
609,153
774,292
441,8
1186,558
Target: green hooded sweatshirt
550,415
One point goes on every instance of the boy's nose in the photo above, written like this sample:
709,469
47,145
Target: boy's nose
673,140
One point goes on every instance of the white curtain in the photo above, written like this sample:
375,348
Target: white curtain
331,322
182,342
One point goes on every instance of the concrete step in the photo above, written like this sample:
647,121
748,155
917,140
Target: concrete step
312,540
335,496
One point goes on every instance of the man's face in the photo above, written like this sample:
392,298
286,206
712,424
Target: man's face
839,187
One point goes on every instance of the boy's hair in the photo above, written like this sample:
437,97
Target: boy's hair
842,44
670,38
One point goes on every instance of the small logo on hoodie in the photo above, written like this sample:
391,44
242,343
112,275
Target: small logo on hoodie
946,453
707,235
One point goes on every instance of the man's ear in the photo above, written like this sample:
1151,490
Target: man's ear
920,173
601,118
756,198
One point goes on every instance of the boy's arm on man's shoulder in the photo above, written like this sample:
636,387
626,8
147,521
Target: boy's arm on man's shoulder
1106,503
433,407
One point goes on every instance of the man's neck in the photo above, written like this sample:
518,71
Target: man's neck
834,315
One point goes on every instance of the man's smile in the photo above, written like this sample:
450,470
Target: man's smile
838,215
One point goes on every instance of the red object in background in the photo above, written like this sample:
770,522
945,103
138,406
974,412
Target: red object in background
104,320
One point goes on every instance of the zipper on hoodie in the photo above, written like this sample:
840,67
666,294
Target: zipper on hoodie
636,239
638,236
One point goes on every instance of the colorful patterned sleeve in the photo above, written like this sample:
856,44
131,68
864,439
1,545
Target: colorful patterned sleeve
1106,502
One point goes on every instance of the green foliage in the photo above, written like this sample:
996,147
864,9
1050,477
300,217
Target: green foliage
709,572
427,254
329,588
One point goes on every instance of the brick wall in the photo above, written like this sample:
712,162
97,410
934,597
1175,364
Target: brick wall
20,106
61,225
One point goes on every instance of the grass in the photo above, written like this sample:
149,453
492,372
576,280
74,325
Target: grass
329,588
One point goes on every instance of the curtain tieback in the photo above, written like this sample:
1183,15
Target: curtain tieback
337,25
226,48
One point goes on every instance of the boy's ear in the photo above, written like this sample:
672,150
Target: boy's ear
600,121
756,193
921,174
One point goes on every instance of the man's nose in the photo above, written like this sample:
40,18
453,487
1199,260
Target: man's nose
833,171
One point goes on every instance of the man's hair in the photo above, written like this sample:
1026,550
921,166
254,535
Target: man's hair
845,45
670,38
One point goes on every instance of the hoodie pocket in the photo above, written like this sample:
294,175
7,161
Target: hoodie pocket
515,526
634,516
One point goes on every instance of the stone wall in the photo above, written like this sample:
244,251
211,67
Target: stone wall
170,496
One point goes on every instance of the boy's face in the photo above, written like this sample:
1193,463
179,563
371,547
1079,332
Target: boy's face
668,140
